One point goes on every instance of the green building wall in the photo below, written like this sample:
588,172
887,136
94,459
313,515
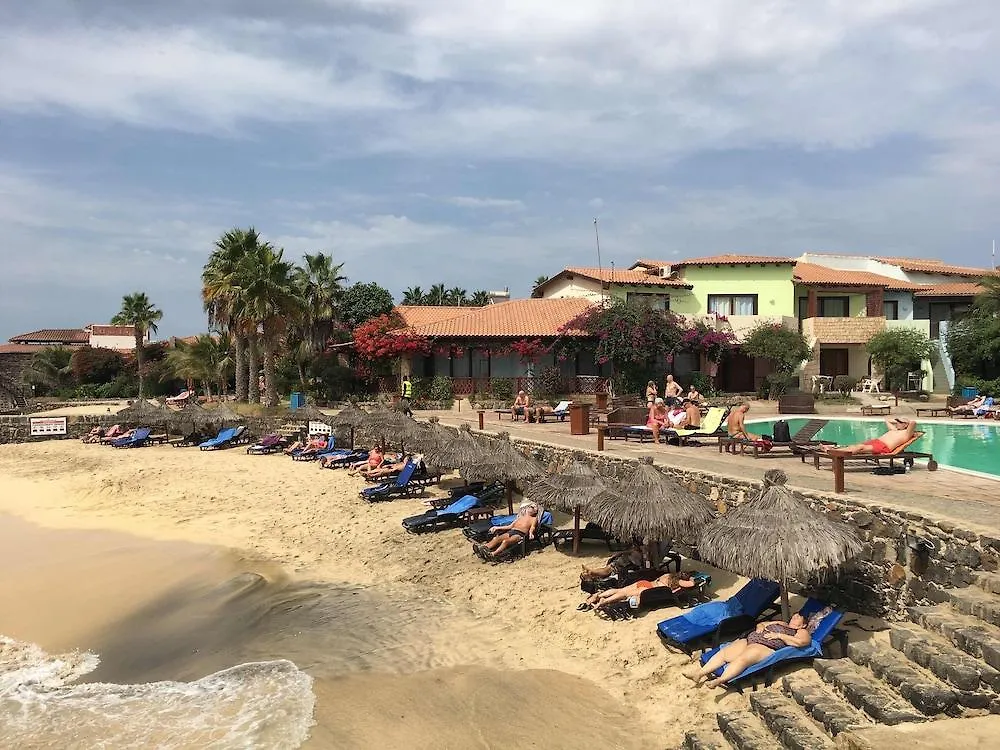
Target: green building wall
773,286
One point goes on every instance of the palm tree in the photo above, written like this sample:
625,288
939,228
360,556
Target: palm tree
539,281
437,295
137,311
414,296
269,298
50,368
320,288
206,360
480,298
220,295
989,298
457,297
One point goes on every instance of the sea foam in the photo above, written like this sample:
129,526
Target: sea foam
255,705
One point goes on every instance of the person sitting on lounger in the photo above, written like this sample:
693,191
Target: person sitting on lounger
900,432
521,407
657,419
376,458
760,644
620,564
524,527
313,444
693,413
736,424
674,581
677,416
693,394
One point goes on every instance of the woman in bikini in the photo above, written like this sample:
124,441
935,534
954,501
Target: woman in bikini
674,581
760,644
651,394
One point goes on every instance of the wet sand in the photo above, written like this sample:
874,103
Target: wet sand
260,558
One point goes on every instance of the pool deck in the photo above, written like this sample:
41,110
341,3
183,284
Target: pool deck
970,501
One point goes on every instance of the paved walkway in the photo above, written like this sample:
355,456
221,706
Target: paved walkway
969,501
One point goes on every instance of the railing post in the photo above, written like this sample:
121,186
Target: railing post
838,474
600,437
482,415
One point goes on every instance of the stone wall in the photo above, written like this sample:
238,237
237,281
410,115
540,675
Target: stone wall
888,575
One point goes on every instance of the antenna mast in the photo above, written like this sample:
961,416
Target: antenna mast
597,239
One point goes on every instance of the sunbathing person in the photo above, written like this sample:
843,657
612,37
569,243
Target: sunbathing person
524,527
315,442
375,459
970,406
760,644
620,564
677,417
521,407
736,424
900,432
674,581
693,394
657,419
651,394
693,413
94,436
386,469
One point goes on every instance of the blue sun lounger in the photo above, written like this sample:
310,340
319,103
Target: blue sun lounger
219,440
827,629
326,450
709,623
136,440
479,531
402,487
453,515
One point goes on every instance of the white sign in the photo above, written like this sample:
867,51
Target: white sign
47,426
319,428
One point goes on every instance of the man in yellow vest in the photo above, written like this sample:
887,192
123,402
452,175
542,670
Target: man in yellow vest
407,394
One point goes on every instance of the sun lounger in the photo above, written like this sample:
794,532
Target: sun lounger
711,622
479,531
561,411
711,426
114,432
659,596
342,461
402,487
902,453
589,533
136,440
764,671
311,455
543,538
189,441
802,439
464,510
267,444
488,493
632,575
180,399
224,436
933,411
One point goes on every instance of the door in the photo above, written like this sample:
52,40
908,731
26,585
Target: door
833,362
939,311
736,374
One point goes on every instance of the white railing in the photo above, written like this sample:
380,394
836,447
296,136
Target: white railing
946,365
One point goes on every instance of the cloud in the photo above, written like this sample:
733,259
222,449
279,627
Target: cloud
504,204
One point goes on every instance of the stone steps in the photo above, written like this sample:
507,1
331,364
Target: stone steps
988,582
967,633
786,720
826,707
924,691
975,602
705,739
864,691
945,661
744,731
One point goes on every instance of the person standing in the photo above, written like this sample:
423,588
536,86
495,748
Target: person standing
406,396
672,391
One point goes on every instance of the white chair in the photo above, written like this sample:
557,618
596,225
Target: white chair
870,385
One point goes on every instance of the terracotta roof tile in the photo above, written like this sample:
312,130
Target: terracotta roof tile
20,348
419,315
730,259
810,273
924,265
102,330
514,319
623,276
951,289
64,335
651,263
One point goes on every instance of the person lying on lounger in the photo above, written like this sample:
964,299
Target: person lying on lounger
376,458
970,406
623,562
313,444
677,416
524,527
386,469
900,431
767,638
94,436
674,581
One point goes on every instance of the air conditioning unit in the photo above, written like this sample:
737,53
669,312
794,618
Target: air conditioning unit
666,272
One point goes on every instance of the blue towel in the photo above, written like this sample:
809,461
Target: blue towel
709,614
460,506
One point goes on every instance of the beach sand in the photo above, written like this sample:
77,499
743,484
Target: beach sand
408,638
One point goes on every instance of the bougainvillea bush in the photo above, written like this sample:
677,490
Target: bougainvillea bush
382,341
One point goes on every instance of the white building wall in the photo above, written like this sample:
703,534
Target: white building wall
905,300
113,342
855,263
561,288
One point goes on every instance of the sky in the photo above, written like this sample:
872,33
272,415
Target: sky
473,143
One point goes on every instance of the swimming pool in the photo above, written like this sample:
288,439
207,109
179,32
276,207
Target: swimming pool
969,446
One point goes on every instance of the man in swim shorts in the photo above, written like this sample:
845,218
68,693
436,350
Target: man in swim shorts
524,527
900,432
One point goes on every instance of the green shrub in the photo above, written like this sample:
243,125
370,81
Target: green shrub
984,386
898,351
845,384
442,390
96,366
785,347
502,389
777,384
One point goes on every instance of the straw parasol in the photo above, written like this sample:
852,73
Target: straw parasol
650,505
224,413
776,536
459,450
569,491
141,411
350,416
502,461
193,415
309,413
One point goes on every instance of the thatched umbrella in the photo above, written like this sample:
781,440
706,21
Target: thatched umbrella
141,411
461,449
194,415
650,505
569,490
502,461
776,536
224,413
351,417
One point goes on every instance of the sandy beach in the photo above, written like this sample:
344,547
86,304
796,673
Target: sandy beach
407,638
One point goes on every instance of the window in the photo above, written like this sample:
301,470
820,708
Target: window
834,307
732,304
656,301
890,309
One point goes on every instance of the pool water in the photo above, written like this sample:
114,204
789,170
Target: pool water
972,445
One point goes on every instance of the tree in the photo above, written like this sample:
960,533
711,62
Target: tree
50,369
95,365
438,295
538,282
973,344
414,296
786,348
457,297
480,298
898,351
363,302
206,360
269,298
989,299
137,311
381,341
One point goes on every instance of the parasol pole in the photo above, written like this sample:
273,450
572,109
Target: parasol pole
785,608
576,529
510,497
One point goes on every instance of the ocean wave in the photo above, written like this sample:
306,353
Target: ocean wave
254,705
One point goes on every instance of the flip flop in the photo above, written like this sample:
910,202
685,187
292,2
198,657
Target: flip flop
583,607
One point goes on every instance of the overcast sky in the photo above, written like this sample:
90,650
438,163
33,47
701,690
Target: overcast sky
473,142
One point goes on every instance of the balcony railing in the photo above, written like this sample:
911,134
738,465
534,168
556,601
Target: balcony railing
842,330
581,384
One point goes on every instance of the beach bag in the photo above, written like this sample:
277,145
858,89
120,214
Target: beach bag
781,432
